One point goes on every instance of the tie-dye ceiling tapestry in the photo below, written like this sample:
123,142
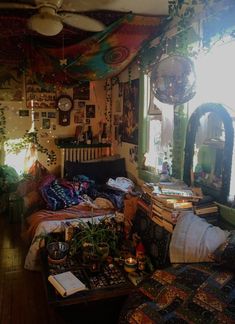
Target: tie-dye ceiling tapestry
101,56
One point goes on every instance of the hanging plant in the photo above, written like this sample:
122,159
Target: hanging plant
31,137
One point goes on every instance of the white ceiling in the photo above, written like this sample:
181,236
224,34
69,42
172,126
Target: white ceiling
146,7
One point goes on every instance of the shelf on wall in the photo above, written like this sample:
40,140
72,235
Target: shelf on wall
71,142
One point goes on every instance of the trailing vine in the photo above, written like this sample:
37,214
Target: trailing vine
32,137
2,125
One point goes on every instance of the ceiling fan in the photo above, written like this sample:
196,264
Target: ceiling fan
51,15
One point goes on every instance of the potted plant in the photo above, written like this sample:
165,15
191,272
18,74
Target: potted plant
57,249
94,239
9,179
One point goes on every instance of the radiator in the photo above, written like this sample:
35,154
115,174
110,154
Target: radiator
83,154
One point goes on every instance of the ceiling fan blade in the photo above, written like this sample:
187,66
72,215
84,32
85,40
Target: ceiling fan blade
45,24
82,22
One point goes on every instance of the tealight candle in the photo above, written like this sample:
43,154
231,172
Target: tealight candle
130,264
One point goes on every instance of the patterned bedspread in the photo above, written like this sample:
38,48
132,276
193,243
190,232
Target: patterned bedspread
185,293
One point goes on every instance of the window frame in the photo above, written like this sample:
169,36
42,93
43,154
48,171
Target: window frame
143,134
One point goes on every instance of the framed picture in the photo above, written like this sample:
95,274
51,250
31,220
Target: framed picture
77,104
51,114
46,123
23,112
90,111
130,111
82,92
81,104
78,118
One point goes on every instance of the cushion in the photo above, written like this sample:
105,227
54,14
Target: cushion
59,194
100,171
194,239
225,253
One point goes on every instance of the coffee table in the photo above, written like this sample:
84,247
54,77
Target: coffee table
101,285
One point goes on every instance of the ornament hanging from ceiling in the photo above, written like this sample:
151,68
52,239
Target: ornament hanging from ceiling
173,80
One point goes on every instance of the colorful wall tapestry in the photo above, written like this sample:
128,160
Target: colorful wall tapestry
99,57
130,111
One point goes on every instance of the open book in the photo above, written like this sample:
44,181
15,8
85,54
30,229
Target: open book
66,283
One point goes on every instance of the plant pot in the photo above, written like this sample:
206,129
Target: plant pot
88,251
103,250
57,252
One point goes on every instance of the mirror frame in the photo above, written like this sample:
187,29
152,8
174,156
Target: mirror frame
193,124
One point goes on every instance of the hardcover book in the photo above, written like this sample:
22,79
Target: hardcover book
66,283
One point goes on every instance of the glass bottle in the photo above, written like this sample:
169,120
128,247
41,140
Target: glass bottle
104,135
89,136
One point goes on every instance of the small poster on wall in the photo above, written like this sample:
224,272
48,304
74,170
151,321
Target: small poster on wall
90,111
46,123
82,92
23,112
130,111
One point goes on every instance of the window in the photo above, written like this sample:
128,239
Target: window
15,160
156,134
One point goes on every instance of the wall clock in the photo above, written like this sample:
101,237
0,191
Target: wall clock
64,105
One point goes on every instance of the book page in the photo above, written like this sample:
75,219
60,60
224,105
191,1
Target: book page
66,283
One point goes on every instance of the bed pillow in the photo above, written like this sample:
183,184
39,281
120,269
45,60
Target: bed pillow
224,255
100,171
59,194
194,239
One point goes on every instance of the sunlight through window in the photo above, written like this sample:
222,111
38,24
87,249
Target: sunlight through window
215,72
15,160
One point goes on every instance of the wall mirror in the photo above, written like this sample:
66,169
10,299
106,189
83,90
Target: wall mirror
208,150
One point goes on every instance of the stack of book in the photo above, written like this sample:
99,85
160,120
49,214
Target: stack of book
147,189
167,202
207,209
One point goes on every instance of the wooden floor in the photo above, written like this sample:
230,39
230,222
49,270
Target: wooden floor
22,297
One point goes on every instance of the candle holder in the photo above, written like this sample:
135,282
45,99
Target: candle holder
142,264
130,264
141,260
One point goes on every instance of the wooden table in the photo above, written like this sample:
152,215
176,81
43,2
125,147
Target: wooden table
92,294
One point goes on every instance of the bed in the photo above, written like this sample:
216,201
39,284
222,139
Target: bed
82,193
198,286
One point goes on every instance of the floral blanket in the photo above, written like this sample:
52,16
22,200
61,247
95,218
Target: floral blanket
185,293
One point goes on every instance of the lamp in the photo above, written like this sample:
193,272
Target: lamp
173,80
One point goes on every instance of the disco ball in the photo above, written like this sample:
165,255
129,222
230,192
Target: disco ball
173,80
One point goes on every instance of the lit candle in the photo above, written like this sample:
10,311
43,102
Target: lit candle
130,264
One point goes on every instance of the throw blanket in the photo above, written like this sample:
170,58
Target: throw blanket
77,211
193,239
